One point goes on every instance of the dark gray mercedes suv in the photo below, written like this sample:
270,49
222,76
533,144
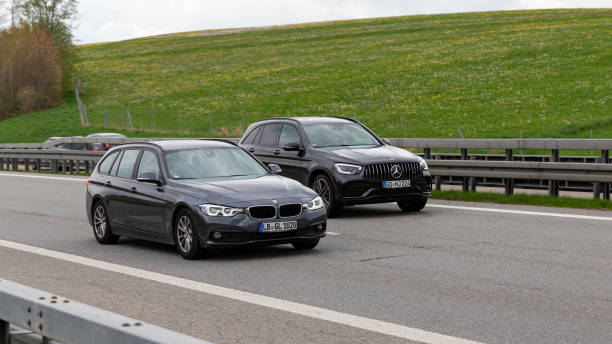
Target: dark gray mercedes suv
199,194
342,160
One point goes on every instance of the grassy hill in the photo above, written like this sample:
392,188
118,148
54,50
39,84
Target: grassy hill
493,74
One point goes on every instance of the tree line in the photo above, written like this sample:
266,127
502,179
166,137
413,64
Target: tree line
36,53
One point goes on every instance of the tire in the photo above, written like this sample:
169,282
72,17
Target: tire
186,236
324,188
307,244
411,206
101,225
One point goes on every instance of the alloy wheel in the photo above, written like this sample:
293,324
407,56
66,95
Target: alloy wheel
100,221
184,233
322,187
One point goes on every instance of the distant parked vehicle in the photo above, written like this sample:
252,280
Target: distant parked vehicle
65,145
199,194
342,160
102,146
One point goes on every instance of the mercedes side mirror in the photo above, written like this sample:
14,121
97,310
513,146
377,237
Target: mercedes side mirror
274,168
292,146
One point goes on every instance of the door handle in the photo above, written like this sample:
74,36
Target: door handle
251,150
108,183
276,151
133,189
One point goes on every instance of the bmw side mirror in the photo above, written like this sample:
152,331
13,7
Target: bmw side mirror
292,146
149,177
274,168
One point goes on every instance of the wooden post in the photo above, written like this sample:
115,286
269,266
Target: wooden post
509,183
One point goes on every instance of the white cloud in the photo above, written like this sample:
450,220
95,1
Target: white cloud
109,20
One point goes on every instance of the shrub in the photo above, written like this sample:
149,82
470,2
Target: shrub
30,71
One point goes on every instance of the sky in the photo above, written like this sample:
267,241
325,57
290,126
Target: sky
112,20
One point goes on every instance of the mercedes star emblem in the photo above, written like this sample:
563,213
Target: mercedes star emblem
396,171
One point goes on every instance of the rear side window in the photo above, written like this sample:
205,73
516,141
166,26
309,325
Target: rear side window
148,168
270,135
107,163
249,140
289,134
126,165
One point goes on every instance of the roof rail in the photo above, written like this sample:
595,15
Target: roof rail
222,140
272,118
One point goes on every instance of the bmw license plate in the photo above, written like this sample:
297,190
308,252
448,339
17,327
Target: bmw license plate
278,226
396,184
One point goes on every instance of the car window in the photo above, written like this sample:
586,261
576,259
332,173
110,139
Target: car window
107,163
116,165
270,135
252,135
338,134
126,165
289,134
212,163
148,168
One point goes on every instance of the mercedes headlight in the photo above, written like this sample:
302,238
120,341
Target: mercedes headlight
220,210
314,204
347,168
424,166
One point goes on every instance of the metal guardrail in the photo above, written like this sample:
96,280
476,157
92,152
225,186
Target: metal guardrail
16,155
51,318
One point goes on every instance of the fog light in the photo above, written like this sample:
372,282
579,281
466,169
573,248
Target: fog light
216,235
320,226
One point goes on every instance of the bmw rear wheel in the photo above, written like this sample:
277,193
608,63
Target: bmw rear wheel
101,225
186,236
324,188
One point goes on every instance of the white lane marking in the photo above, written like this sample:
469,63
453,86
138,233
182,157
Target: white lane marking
332,233
356,321
522,212
43,177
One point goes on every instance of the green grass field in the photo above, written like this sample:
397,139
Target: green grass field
493,74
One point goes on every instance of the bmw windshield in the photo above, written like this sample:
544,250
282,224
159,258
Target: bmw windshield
338,135
212,163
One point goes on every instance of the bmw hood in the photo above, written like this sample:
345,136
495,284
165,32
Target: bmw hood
245,192
369,155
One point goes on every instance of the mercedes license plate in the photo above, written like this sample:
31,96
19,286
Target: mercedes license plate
278,226
396,184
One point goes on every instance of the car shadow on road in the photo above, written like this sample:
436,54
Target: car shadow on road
377,211
227,254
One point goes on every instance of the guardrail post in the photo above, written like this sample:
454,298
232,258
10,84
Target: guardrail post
4,332
473,180
71,166
553,185
427,153
15,164
26,164
605,157
437,179
53,165
38,165
464,156
509,183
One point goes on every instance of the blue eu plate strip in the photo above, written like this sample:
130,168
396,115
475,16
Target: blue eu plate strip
261,227
384,185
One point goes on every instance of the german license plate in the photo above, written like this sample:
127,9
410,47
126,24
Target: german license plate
396,184
278,226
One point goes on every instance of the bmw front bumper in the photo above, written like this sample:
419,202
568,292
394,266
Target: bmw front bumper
242,230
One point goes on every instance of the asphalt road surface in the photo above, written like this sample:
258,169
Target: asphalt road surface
453,273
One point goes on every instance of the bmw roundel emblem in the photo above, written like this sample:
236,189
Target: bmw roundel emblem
274,201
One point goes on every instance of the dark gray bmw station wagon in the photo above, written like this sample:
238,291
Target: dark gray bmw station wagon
199,194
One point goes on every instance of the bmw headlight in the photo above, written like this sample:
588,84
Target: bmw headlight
220,210
347,168
424,166
314,204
